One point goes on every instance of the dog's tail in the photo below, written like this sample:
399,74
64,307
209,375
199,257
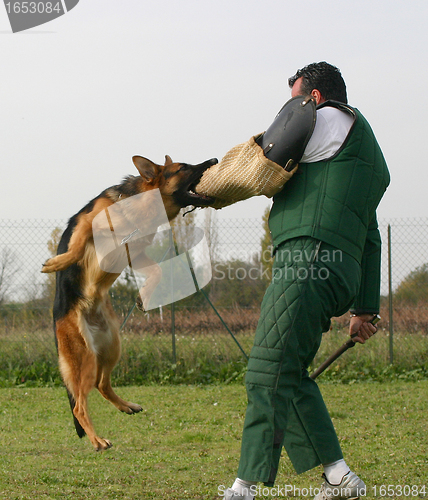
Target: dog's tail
79,429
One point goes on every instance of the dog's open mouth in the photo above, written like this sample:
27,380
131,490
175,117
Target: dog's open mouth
199,199
191,191
187,194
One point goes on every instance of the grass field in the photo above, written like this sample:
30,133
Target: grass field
28,357
186,442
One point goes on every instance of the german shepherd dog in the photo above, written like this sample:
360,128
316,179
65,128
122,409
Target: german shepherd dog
86,327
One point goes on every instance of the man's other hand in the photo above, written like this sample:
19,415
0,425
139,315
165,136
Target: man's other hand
362,326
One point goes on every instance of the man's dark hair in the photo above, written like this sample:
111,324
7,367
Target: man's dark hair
323,77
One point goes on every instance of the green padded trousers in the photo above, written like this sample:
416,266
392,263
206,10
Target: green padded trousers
311,282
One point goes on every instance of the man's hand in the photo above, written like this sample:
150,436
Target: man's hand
362,326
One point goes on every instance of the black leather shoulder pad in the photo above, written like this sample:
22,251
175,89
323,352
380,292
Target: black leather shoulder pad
284,142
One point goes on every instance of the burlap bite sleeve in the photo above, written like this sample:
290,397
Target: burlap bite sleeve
242,173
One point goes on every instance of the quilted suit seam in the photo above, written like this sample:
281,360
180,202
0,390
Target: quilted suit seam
265,359
291,329
278,343
287,305
286,310
259,385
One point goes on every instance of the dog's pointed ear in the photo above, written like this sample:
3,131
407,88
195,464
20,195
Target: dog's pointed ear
148,170
168,160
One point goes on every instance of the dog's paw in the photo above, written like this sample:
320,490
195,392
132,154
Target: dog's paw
142,301
131,408
139,303
144,297
58,263
48,266
102,444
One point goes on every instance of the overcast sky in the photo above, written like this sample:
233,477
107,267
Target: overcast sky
111,79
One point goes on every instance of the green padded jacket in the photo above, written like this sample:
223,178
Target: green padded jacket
335,201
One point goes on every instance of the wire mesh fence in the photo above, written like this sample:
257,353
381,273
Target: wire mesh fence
26,297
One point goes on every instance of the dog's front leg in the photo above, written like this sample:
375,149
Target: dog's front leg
153,274
76,246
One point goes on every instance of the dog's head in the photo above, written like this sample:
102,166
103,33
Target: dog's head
175,181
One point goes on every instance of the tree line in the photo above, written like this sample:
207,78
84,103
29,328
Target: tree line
235,282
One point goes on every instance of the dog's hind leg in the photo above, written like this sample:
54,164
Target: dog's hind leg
108,393
107,360
78,365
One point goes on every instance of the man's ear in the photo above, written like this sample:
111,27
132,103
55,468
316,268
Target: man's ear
316,94
148,170
168,160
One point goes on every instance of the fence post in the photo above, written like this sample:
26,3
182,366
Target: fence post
391,311
171,250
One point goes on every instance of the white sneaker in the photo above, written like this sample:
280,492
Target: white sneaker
350,488
230,494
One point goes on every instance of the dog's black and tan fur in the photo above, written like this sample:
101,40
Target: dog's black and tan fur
86,327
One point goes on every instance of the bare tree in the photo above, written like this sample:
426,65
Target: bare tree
8,269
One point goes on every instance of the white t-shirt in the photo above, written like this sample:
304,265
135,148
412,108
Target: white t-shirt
331,129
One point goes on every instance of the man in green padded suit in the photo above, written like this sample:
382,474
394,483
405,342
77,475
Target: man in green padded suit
327,261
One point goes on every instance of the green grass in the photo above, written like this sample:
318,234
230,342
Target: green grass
186,442
207,358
